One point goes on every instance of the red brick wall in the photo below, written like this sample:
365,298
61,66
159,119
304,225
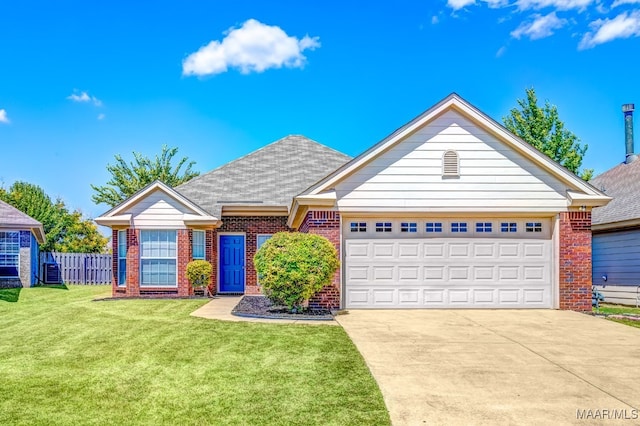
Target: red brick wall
326,224
184,239
211,256
575,261
251,226
133,263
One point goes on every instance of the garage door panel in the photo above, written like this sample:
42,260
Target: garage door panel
478,272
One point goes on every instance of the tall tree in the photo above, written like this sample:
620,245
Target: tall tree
542,128
128,178
64,231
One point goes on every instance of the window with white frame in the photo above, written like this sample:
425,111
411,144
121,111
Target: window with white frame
158,258
198,244
358,226
261,239
122,257
458,227
383,226
9,254
483,227
410,227
433,227
509,227
534,227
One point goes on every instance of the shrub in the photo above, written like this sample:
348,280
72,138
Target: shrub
199,273
293,266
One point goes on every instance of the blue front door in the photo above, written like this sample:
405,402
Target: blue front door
232,263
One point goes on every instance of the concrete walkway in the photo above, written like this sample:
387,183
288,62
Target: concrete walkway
220,307
500,366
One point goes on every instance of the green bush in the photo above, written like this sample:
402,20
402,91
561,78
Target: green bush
293,266
199,273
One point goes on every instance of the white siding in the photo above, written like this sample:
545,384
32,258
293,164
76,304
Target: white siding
159,211
617,255
492,176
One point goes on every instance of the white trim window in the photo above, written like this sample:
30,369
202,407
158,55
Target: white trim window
122,258
9,254
261,239
198,245
158,258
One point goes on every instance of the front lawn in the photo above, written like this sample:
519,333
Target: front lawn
65,359
606,309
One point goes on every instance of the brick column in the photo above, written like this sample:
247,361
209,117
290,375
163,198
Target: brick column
326,224
575,261
184,237
210,255
114,261
133,262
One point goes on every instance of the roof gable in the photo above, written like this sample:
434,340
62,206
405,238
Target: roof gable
266,178
456,103
11,217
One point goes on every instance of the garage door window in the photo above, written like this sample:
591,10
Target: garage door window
483,226
508,227
433,227
358,226
458,226
534,227
409,227
383,226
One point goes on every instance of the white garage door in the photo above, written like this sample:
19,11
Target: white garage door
448,264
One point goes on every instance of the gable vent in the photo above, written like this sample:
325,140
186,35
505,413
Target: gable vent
450,164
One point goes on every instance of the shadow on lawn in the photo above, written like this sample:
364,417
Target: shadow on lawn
10,294
54,286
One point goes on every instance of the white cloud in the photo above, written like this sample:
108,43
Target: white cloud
459,4
624,25
556,4
78,96
3,116
434,20
101,116
621,2
501,52
540,27
254,47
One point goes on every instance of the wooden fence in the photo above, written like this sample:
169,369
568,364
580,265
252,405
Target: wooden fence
75,268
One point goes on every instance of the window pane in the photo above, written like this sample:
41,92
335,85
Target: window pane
198,245
122,271
261,239
158,272
9,253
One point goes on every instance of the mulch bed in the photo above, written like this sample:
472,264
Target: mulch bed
261,307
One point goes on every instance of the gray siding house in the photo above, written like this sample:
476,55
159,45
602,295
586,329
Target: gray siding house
616,227
20,238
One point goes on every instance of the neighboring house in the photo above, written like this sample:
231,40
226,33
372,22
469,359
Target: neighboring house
20,236
616,229
450,210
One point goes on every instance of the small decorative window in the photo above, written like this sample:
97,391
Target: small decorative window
409,227
198,244
508,227
483,227
122,257
534,227
383,226
450,164
458,226
433,227
358,226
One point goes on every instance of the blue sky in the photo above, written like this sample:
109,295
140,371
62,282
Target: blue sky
82,81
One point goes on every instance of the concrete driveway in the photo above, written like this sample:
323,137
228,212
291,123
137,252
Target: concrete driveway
500,366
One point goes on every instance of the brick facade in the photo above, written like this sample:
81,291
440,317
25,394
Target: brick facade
250,226
326,224
575,261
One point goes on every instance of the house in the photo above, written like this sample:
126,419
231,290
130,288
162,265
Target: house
20,236
450,210
616,227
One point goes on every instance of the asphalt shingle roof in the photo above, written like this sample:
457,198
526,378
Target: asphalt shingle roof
270,176
623,184
12,217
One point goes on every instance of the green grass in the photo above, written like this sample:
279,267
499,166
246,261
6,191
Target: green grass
619,310
66,360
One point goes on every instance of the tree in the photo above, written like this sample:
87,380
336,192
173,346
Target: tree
542,128
64,231
127,179
293,266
